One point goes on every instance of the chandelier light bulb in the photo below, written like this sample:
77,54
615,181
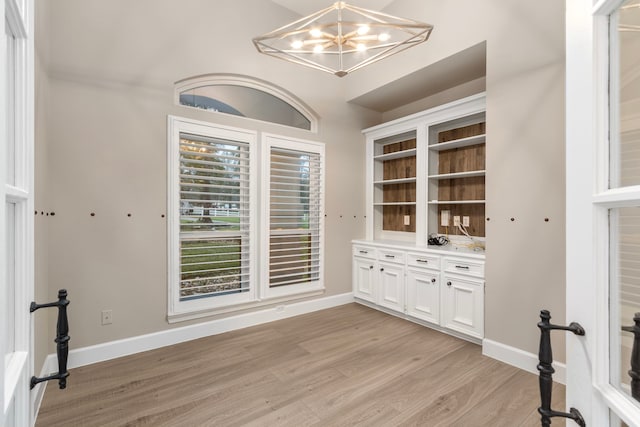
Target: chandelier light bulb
361,47
297,44
315,32
363,29
318,48
383,37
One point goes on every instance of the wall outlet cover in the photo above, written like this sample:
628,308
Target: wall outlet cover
444,218
456,220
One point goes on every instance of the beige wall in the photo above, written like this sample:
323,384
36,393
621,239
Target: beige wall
112,68
113,65
44,327
525,259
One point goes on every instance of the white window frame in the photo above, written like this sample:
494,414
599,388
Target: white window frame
260,293
252,83
269,141
177,126
18,118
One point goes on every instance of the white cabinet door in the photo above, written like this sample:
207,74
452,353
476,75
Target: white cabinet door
462,305
423,294
391,286
364,279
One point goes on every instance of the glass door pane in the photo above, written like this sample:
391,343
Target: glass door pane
10,105
625,95
624,292
9,296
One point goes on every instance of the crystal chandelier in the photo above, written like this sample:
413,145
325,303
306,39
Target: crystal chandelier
342,38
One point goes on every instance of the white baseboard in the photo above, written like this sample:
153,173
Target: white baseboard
49,367
520,359
114,349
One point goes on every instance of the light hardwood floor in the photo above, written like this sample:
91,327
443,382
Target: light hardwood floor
349,365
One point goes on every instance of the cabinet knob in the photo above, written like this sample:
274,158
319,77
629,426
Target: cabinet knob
433,280
382,269
371,267
448,283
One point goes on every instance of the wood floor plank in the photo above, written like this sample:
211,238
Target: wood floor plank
345,366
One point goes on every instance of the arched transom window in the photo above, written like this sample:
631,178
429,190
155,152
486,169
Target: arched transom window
246,97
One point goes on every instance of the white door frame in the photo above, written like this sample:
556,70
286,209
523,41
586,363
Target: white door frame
17,131
588,201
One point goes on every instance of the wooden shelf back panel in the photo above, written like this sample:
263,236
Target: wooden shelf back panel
399,193
461,189
399,146
476,219
462,132
462,159
393,218
399,168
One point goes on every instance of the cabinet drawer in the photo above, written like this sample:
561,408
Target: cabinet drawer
424,261
463,266
391,256
364,252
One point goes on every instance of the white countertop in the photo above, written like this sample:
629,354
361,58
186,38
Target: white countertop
449,249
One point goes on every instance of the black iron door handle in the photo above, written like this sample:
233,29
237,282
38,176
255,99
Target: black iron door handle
62,339
546,371
634,372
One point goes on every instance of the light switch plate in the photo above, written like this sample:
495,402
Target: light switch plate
456,220
407,220
465,221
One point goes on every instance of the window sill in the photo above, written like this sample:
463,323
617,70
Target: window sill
264,302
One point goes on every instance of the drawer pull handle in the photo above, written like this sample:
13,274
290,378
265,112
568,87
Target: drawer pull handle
382,269
424,261
364,252
464,267
390,256
433,280
448,283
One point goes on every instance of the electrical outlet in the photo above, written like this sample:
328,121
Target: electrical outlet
444,218
456,220
407,220
107,317
465,221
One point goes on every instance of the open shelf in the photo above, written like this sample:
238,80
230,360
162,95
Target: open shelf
468,174
395,204
396,155
456,202
458,143
395,181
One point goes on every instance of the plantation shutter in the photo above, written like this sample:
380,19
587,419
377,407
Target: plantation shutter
214,217
294,216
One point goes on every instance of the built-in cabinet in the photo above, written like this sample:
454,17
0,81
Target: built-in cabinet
433,286
425,173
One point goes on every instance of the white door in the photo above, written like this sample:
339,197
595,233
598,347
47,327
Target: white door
603,206
16,211
391,286
423,294
462,305
364,276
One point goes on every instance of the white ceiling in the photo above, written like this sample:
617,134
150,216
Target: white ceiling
307,7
